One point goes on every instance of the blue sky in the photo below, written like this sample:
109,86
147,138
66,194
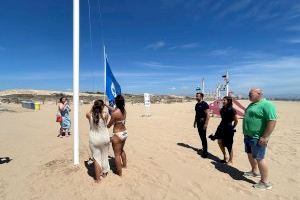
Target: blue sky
161,47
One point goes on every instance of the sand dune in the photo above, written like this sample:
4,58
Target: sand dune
162,158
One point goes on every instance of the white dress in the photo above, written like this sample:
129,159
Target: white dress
99,142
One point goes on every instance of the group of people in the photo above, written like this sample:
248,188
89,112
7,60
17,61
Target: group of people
258,124
99,138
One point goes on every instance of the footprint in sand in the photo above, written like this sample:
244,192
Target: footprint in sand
2,189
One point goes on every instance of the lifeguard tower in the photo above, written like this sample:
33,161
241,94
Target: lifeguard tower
221,91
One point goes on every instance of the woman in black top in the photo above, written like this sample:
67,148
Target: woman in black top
226,128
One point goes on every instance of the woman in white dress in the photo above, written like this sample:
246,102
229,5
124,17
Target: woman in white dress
99,140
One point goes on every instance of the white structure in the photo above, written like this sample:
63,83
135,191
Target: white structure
76,79
147,103
223,87
226,80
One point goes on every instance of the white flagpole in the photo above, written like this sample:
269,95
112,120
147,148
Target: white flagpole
76,78
104,58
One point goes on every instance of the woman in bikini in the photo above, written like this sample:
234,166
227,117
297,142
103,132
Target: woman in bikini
120,135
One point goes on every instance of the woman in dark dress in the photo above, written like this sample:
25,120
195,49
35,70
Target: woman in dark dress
226,128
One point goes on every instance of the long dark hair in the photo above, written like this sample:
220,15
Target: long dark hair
120,103
61,98
229,101
97,110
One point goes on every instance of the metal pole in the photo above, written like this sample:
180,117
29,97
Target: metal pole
76,78
104,58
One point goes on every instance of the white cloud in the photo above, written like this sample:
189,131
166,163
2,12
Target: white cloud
156,45
234,7
276,76
294,28
157,65
172,88
295,12
186,46
184,87
293,40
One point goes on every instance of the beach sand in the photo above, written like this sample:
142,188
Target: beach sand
162,158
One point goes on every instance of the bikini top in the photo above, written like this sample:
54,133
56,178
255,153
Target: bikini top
121,121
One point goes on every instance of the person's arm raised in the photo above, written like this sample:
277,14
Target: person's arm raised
109,107
61,107
88,114
106,117
111,121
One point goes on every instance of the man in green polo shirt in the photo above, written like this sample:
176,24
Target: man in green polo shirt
258,124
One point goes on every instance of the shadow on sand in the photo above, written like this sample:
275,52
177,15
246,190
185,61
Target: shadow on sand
5,160
90,168
199,151
89,164
233,172
112,164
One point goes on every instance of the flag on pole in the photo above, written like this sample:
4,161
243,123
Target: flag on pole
113,88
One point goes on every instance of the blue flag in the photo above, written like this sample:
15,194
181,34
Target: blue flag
112,86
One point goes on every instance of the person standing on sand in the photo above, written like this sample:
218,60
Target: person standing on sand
226,129
117,120
201,120
99,140
258,124
65,124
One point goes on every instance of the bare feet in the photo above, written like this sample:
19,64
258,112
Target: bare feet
104,175
98,180
229,162
119,172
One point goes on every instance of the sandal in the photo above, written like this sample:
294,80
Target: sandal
263,186
251,174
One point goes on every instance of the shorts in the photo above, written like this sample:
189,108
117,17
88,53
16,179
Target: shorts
253,147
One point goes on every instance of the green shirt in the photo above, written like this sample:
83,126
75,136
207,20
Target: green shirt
256,117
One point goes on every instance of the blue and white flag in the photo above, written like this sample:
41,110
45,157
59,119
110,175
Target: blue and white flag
113,88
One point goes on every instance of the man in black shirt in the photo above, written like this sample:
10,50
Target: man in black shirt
201,120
